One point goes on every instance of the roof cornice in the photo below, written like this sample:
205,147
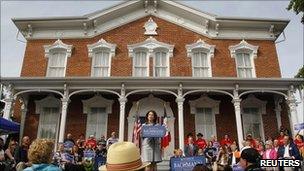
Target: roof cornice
209,25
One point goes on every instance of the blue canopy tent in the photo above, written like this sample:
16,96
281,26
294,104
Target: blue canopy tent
8,127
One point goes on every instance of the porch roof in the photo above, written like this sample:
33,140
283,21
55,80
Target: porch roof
225,83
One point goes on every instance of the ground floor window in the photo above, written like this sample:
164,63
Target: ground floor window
97,122
48,122
205,122
252,122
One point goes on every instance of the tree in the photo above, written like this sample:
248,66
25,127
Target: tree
297,6
300,74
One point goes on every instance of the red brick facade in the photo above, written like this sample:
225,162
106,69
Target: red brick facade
79,64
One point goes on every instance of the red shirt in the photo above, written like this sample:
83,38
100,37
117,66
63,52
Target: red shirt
281,140
299,143
91,142
226,142
201,143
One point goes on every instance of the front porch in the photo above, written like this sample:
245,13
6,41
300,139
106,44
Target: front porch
212,106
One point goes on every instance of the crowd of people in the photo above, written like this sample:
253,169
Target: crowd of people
89,154
82,154
225,154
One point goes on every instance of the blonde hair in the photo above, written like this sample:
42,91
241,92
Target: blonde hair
41,151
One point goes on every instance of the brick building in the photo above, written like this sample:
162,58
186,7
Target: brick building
214,75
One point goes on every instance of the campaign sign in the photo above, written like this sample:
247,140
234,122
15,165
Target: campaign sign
69,157
89,154
156,131
68,145
186,163
299,126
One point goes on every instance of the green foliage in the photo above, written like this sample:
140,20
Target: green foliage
300,74
297,6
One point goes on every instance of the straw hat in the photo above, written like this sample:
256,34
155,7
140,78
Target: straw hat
123,156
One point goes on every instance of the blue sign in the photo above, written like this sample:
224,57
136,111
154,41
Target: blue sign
153,131
299,126
186,163
68,145
69,157
88,154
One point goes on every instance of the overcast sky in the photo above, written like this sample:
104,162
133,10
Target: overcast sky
290,51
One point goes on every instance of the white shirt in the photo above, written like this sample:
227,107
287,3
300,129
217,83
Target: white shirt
286,151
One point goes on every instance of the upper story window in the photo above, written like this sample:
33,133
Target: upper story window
201,54
244,54
161,64
57,55
159,51
140,64
101,53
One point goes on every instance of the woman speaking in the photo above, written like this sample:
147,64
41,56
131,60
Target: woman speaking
150,147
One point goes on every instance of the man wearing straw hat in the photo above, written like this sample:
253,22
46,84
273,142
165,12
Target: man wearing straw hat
123,156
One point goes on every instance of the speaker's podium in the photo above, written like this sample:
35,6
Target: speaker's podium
153,132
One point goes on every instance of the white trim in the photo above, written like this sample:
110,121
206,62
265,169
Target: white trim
202,46
150,44
49,101
97,101
92,48
102,21
244,47
58,44
150,27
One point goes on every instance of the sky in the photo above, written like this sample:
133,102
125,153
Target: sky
290,49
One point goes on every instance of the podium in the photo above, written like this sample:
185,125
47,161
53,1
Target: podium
153,132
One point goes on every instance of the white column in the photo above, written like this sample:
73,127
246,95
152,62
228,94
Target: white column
8,107
122,103
9,100
278,109
293,115
23,116
237,109
180,106
64,107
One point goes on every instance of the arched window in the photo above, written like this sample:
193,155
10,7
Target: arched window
244,54
201,54
57,55
141,53
101,53
140,64
161,64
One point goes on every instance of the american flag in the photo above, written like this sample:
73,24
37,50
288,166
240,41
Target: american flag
136,129
165,141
